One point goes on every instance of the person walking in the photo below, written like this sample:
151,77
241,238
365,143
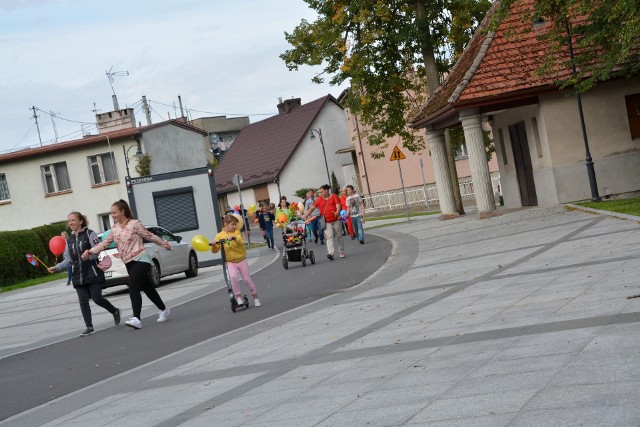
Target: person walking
235,258
265,219
355,210
347,221
87,278
128,233
329,206
315,214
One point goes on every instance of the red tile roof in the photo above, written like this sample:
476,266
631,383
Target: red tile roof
495,66
130,133
261,150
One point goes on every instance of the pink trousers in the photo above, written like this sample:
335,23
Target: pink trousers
242,268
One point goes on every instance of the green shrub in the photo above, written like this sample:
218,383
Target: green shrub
15,245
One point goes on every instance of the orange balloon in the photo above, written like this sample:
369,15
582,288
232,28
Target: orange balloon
282,217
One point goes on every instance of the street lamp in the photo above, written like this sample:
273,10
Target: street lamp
313,137
138,155
595,197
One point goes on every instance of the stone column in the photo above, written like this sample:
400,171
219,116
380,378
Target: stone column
472,125
441,169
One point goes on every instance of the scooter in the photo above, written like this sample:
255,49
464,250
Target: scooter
232,298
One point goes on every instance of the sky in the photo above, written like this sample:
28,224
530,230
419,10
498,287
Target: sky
220,56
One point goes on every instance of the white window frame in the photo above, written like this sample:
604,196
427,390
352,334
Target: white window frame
105,219
4,188
98,161
50,170
462,152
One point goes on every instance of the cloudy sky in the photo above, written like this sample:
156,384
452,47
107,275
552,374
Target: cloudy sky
221,56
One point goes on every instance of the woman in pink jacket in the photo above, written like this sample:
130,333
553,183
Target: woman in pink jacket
128,234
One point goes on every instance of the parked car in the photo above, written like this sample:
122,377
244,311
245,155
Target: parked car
181,258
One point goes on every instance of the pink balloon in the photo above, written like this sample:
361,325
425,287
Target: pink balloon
57,245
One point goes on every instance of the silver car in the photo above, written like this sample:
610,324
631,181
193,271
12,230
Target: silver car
181,258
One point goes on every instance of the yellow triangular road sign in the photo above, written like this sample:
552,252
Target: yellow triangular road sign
397,154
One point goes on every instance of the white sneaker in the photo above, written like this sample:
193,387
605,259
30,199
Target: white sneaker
134,323
256,302
162,316
240,301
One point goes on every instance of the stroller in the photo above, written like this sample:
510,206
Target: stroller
294,237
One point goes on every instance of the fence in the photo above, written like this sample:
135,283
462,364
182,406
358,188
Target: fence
419,196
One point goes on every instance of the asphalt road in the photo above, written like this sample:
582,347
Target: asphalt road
38,376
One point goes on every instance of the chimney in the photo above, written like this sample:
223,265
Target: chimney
288,105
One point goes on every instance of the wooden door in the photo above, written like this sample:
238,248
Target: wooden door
522,159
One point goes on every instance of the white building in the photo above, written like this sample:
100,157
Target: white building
42,185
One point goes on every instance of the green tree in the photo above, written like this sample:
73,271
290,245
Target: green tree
335,187
144,165
604,35
393,52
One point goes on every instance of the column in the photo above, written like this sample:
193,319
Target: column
441,169
472,125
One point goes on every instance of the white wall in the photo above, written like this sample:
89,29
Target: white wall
306,167
172,148
207,217
31,207
558,160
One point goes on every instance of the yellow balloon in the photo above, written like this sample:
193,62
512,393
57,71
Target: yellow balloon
252,208
200,243
240,221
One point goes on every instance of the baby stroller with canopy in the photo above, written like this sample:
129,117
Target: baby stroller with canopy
294,237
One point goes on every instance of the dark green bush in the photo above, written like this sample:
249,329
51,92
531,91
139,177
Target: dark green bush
15,245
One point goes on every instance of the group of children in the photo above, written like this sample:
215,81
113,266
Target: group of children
269,216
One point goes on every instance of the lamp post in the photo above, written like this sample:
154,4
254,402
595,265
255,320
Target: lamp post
126,156
312,137
595,197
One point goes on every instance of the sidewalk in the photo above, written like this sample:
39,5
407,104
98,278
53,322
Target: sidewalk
521,319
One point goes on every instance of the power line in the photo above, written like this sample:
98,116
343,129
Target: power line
223,114
62,118
22,139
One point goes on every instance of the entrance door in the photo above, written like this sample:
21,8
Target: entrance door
524,170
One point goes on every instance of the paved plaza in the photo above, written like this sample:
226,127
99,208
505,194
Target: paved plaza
523,319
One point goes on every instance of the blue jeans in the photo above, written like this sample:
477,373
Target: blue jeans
313,225
268,234
356,221
69,274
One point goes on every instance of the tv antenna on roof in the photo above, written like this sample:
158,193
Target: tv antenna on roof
110,75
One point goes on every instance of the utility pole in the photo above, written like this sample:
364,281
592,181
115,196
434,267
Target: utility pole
53,123
180,102
35,116
145,107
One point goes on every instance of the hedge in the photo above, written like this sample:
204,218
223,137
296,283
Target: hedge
15,245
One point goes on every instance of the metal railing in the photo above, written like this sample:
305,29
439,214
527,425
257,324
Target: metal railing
419,196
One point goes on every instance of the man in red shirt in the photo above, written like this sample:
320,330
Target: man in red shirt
329,206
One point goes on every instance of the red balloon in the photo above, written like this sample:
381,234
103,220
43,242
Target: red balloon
57,245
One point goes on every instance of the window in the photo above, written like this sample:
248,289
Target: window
56,177
4,188
102,168
105,221
461,152
176,209
633,114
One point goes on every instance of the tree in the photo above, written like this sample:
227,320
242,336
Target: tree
393,52
335,187
604,35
